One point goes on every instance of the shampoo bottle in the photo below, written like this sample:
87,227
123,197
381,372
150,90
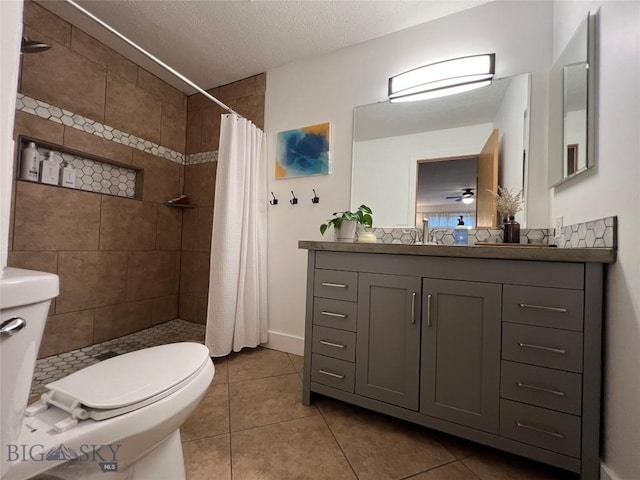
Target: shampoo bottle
461,233
49,170
30,163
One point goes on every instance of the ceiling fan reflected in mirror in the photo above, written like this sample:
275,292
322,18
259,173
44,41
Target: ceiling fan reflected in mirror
467,196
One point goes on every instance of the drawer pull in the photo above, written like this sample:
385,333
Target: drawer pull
332,314
540,347
542,307
335,285
540,430
331,344
541,389
429,310
331,374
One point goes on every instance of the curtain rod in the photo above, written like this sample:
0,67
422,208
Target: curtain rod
151,57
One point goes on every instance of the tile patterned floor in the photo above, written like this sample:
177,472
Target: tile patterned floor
251,425
53,368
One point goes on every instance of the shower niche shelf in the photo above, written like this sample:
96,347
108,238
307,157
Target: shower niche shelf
93,173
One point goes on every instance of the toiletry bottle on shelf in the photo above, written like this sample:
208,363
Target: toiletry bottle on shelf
30,163
461,233
49,170
67,175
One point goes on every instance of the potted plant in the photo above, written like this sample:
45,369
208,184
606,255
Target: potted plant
344,223
508,204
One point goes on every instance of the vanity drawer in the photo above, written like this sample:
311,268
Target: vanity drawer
546,347
542,387
546,307
555,431
336,284
332,372
334,343
335,313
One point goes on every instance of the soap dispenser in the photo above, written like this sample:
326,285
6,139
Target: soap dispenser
461,233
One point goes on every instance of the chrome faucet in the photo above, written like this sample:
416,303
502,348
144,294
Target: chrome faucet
426,237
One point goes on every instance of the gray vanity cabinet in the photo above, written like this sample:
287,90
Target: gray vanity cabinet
461,352
388,339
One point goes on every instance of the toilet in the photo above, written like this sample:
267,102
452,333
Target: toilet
120,417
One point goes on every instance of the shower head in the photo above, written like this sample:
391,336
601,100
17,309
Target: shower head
33,46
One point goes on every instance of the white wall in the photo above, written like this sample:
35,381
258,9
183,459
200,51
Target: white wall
10,35
389,165
612,188
327,88
510,122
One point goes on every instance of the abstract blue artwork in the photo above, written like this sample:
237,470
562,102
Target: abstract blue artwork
303,151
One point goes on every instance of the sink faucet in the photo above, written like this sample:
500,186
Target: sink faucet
426,237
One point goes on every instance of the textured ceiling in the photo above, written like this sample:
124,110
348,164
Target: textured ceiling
217,42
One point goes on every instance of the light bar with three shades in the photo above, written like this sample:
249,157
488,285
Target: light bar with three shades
443,78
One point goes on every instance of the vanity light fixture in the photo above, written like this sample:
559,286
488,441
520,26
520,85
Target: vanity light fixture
443,78
467,196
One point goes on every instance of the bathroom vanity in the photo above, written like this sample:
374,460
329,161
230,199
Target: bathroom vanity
499,345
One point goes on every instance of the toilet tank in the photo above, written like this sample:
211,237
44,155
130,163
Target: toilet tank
26,295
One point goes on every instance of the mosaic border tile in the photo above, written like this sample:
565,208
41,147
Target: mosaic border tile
55,114
54,368
201,157
601,233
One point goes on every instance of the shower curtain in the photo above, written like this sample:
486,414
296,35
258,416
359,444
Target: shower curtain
237,313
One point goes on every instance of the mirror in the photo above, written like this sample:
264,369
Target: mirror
572,106
412,160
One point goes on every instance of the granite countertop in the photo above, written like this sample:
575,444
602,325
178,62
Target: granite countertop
510,252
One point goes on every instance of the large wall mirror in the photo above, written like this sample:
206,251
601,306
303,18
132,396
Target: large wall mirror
572,106
429,158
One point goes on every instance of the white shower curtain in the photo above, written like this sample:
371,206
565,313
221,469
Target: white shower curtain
237,313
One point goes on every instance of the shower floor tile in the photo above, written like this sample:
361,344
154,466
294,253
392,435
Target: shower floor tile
54,368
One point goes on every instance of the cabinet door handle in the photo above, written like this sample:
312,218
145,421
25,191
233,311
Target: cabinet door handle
542,307
429,310
540,430
541,389
331,374
331,344
335,285
332,314
540,347
413,308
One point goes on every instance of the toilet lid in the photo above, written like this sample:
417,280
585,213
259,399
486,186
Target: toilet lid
133,377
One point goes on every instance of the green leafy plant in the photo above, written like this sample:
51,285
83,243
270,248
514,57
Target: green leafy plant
362,215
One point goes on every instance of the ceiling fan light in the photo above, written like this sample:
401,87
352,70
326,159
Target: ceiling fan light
467,200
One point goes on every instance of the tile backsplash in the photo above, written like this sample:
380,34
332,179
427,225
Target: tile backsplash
592,234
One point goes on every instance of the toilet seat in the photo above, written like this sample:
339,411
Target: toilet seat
124,383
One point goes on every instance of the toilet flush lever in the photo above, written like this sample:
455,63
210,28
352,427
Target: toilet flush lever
12,326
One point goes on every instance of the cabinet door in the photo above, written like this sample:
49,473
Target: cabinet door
388,339
460,361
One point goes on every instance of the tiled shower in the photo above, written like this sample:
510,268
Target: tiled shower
125,264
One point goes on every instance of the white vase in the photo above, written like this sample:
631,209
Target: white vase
346,232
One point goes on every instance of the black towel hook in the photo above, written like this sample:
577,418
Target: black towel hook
316,198
294,200
274,201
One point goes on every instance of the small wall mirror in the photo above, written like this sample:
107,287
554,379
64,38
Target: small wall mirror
572,106
437,158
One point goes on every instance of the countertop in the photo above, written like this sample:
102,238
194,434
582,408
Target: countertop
510,252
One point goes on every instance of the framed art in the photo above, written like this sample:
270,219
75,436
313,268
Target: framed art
303,151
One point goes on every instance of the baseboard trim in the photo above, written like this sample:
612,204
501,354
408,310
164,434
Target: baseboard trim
606,474
285,343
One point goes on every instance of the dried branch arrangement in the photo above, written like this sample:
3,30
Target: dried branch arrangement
507,203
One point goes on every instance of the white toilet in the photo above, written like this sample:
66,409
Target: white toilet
118,419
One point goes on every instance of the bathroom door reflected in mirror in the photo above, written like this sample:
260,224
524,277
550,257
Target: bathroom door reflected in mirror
572,106
389,140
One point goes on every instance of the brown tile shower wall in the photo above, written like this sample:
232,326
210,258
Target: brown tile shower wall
203,133
118,259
